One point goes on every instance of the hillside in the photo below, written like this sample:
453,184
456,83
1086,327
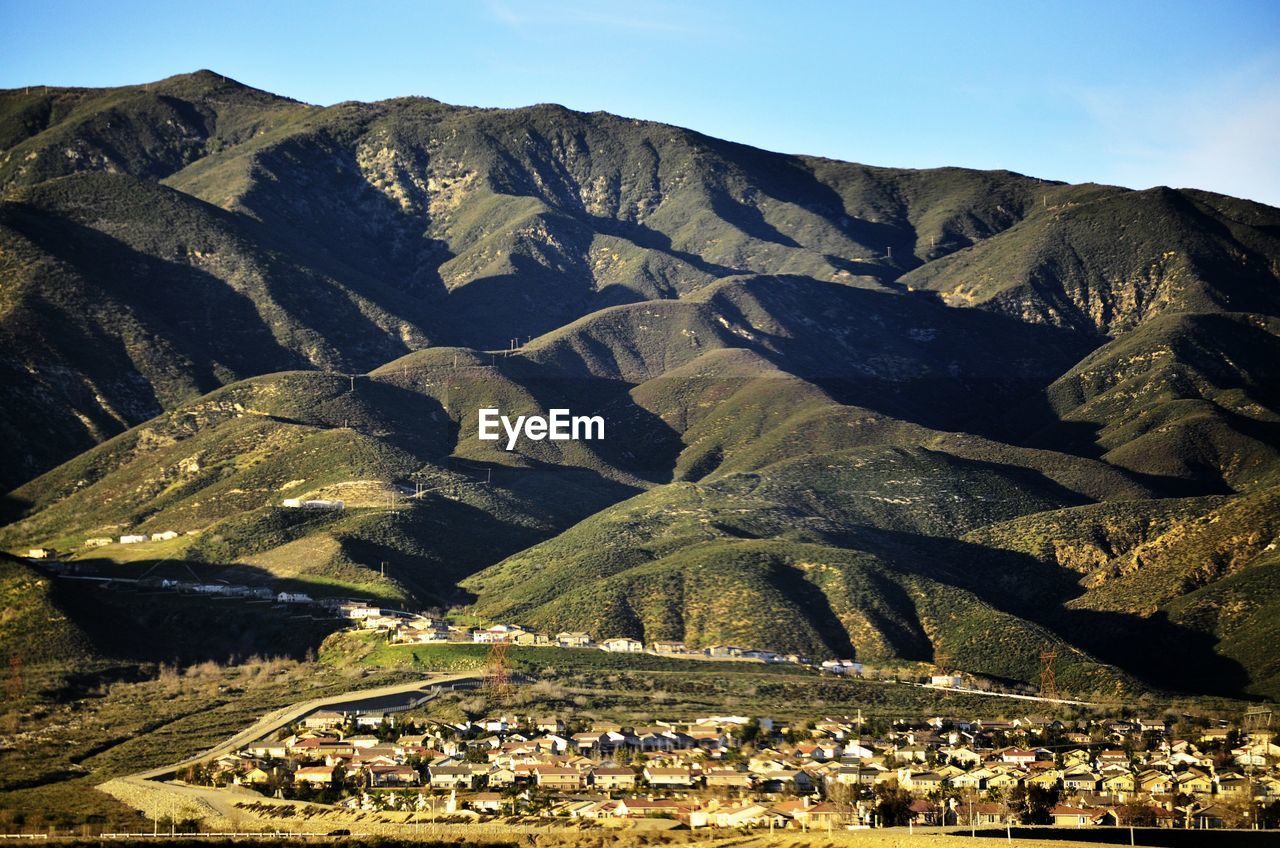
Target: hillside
850,410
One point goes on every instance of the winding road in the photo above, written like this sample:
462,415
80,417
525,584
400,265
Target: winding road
385,698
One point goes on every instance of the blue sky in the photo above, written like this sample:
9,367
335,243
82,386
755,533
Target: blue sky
1133,93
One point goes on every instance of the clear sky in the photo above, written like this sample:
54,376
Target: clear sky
1132,93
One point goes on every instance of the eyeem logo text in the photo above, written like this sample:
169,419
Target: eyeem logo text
559,426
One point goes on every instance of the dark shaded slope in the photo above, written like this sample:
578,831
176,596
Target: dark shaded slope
147,130
1193,399
1107,263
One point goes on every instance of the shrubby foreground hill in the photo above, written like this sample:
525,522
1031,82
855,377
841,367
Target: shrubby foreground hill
850,410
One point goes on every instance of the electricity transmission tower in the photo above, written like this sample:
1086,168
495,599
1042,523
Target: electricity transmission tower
1048,679
497,675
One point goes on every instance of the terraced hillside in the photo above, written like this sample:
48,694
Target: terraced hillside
849,410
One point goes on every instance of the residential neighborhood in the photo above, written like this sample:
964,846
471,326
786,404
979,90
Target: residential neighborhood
404,628
734,771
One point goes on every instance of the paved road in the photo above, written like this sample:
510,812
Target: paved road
1006,695
382,698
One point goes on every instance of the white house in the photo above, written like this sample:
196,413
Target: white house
622,645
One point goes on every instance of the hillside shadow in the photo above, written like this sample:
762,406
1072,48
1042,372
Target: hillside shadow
488,312
160,330
1154,650
336,222
636,440
199,316
12,508
908,357
144,623
648,238
788,179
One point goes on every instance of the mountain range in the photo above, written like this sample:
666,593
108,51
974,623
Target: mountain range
851,411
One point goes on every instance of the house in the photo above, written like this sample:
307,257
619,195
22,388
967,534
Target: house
132,539
785,780
368,720
986,813
1064,816
1046,779
976,779
613,778
497,633
1005,779
484,802
97,542
254,776
947,681
1194,783
296,503
668,778
726,778
1209,818
924,782
1234,786
1154,782
622,645
573,640
41,553
961,756
1081,780
723,651
392,775
451,777
314,775
559,778
1121,783
549,724
419,635
293,598
324,720
1018,756
633,808
911,754
501,777
745,815
269,750
846,667
669,648
164,536
926,813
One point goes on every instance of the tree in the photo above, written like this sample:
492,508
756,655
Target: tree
1039,802
893,805
1136,815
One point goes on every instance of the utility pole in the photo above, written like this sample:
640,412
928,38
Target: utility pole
353,381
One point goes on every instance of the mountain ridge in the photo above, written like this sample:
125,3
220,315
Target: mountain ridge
846,405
